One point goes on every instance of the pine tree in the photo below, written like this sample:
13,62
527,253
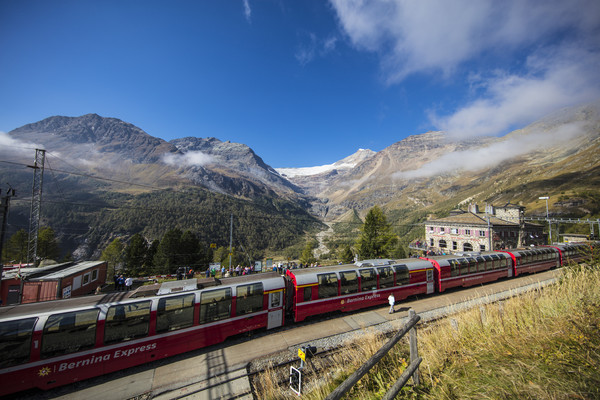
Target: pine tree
16,247
376,239
135,254
47,248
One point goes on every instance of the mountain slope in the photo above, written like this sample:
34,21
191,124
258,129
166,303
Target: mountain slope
105,178
431,172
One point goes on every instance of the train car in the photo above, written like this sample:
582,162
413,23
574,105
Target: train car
351,287
572,252
529,261
53,343
469,269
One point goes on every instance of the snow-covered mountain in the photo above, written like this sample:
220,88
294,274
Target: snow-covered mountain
344,164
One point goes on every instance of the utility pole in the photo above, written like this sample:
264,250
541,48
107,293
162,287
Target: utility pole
4,204
548,217
230,240
36,204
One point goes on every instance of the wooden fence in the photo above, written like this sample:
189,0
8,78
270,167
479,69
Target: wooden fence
411,370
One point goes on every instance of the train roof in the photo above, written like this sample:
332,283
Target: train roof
306,276
270,280
444,259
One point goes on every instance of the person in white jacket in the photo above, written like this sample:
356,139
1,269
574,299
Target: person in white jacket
392,301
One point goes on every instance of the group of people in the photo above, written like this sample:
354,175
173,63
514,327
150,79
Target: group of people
122,283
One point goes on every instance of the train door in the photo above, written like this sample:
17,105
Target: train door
430,281
275,318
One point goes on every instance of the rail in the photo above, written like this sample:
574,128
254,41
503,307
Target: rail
411,370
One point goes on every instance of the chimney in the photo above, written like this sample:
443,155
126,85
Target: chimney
474,208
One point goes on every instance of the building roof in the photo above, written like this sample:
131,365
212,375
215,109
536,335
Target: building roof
50,272
469,218
72,270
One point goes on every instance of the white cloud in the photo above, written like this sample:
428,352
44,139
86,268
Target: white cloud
553,46
192,158
558,79
494,154
247,11
10,146
310,46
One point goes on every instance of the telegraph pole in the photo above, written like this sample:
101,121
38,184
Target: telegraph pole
36,204
230,239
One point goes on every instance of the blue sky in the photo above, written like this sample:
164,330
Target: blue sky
303,83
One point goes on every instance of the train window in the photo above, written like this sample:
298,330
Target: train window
328,286
349,282
368,279
249,298
308,293
464,266
69,332
175,313
488,262
402,275
454,267
496,261
215,305
15,341
472,265
480,264
127,321
386,277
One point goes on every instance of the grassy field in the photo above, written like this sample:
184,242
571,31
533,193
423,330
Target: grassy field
544,344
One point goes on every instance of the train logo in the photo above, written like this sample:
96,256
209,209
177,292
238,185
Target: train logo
44,371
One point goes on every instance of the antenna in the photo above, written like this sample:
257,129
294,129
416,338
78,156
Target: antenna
36,204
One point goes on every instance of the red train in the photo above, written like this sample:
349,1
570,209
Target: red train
53,343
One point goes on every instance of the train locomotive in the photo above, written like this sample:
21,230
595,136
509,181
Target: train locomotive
49,344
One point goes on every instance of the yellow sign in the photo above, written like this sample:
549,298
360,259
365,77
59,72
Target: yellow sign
301,355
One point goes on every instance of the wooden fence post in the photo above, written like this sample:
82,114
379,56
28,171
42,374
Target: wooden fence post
414,351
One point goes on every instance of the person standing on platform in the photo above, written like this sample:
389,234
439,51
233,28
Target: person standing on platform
392,301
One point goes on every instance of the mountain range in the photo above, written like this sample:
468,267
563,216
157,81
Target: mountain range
102,175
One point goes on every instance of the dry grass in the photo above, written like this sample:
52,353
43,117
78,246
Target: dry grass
544,344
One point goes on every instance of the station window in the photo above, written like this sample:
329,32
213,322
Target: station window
249,298
467,231
348,282
175,313
454,245
386,277
402,275
328,285
368,279
127,321
215,305
69,332
442,244
482,247
15,341
481,233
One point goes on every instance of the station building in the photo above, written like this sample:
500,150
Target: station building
58,281
496,228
